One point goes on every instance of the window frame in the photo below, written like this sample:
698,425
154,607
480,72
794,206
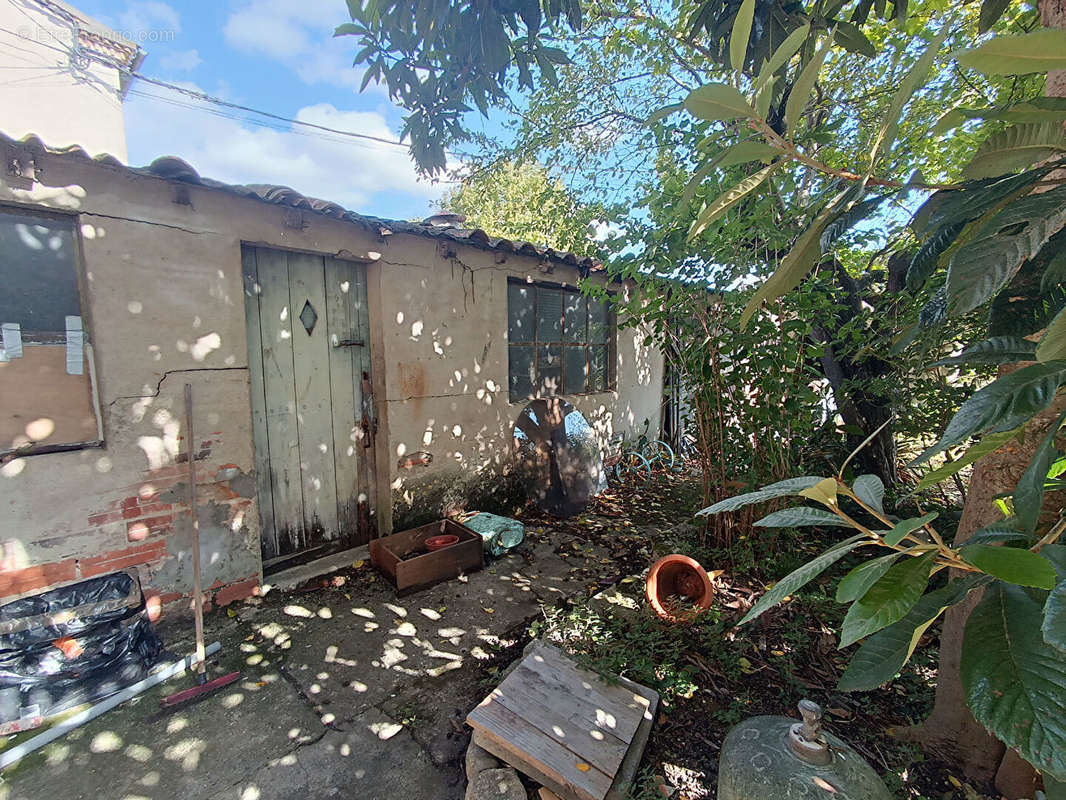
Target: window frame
78,266
535,343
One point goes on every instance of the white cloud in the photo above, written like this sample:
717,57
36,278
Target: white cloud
180,60
298,35
143,17
358,174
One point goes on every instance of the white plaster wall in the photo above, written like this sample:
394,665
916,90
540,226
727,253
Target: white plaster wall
445,339
44,93
164,305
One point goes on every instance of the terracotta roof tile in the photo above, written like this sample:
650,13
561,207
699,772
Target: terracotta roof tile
174,169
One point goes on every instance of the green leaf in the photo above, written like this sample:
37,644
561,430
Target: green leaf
906,526
1054,626
856,583
927,258
802,88
794,267
718,101
1029,494
950,120
665,112
1015,148
763,97
1040,51
743,152
843,223
799,578
1013,680
871,491
995,533
740,153
1038,109
1055,272
852,39
992,255
886,136
727,200
882,655
1011,564
1053,344
997,350
789,486
888,600
991,11
800,516
1017,395
989,443
738,41
347,29
783,54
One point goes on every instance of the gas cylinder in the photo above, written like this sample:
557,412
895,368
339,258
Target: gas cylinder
772,758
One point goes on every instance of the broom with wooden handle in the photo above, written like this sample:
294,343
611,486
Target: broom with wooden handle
204,686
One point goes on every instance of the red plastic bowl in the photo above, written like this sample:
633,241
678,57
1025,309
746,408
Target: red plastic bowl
437,542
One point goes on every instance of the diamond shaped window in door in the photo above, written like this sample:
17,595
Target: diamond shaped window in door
308,317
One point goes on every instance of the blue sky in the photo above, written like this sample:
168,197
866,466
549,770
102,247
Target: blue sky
278,56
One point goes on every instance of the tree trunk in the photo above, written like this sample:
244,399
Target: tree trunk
951,729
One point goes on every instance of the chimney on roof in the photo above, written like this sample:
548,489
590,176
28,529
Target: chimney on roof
444,221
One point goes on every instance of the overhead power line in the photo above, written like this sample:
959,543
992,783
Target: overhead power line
206,98
77,51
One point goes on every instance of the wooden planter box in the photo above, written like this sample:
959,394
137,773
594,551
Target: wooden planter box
388,552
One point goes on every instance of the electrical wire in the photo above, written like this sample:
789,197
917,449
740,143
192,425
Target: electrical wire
79,54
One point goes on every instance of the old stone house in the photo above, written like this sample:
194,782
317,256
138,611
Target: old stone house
350,376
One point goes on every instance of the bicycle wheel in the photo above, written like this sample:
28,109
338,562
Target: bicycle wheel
632,466
659,452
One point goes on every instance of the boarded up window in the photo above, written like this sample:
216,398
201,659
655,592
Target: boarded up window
47,398
560,341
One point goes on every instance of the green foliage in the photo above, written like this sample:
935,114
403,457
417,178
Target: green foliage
1038,51
524,202
799,578
1013,678
888,599
789,486
435,57
885,653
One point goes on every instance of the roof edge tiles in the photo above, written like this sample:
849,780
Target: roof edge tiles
175,170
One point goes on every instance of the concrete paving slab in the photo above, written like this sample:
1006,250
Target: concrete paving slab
376,760
139,751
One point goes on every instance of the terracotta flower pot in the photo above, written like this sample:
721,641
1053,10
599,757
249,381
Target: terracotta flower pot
676,578
440,542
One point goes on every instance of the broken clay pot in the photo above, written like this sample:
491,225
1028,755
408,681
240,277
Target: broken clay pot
676,577
440,542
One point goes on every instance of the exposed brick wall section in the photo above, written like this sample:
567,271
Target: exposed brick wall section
140,511
236,591
29,579
121,559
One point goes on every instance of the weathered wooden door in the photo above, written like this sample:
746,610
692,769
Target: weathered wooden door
310,363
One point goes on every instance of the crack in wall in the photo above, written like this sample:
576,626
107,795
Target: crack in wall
167,374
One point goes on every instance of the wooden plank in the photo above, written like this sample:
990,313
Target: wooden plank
627,770
268,534
509,737
616,709
345,391
276,323
570,721
313,402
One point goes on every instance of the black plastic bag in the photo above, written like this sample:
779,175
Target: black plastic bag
74,645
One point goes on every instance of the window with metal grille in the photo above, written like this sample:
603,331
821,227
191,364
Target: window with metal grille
558,341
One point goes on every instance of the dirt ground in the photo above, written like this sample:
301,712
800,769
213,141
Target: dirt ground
347,691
